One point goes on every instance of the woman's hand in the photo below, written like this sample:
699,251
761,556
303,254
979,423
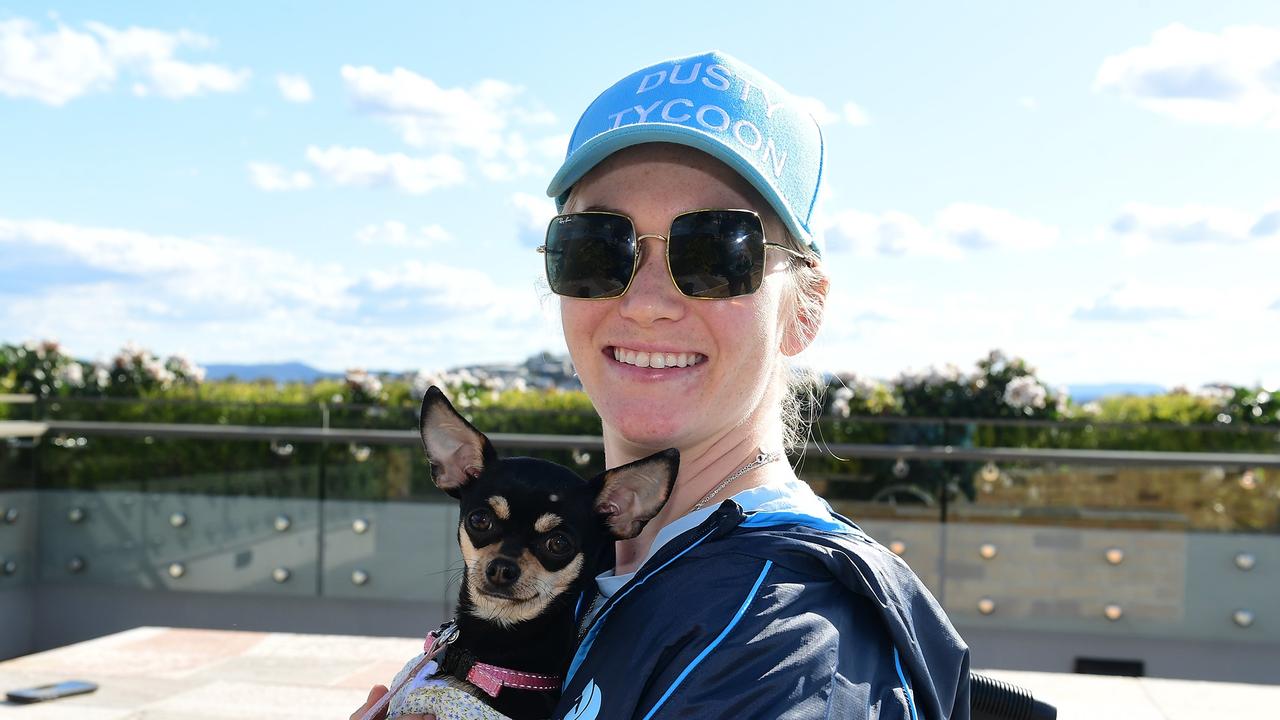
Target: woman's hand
375,694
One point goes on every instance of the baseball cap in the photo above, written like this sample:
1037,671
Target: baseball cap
718,104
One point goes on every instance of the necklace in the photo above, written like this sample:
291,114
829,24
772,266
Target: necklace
763,458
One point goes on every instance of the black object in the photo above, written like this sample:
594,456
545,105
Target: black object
51,692
1106,666
991,699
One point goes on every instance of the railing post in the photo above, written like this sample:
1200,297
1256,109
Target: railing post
321,482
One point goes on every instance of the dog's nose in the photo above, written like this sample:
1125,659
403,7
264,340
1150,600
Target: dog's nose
502,572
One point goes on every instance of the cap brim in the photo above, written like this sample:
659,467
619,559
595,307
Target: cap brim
593,151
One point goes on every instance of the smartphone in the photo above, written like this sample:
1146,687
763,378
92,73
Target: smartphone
51,692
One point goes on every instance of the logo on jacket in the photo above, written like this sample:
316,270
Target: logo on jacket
588,705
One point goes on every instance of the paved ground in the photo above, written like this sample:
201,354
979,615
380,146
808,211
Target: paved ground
158,673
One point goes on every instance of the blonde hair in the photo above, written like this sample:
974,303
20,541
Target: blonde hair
803,301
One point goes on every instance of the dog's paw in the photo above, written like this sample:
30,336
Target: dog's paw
447,702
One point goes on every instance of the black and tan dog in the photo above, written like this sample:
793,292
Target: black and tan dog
533,535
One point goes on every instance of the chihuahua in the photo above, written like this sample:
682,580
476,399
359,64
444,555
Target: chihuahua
533,534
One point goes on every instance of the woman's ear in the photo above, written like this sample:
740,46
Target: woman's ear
805,312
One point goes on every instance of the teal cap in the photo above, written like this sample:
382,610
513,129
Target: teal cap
717,104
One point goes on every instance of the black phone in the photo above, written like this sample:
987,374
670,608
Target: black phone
51,692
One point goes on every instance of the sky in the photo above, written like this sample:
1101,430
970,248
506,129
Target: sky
1092,186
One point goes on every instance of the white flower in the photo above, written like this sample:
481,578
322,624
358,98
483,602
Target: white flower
363,381
184,367
1217,394
158,372
131,355
423,380
909,378
840,401
71,374
933,377
1093,407
101,375
939,376
1062,399
1025,393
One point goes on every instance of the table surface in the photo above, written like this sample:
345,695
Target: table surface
155,673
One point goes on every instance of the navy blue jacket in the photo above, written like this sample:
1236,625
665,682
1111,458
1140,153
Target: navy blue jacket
770,615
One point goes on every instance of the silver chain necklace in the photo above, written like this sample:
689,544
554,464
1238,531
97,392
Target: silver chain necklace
763,458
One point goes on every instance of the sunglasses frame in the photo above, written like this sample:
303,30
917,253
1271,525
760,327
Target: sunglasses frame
639,244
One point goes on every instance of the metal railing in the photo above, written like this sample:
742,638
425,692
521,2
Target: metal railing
1114,458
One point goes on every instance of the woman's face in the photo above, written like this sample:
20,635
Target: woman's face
731,347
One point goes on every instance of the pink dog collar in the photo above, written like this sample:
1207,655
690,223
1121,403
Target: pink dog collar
491,679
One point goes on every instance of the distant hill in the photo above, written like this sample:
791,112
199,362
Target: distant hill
279,372
1085,393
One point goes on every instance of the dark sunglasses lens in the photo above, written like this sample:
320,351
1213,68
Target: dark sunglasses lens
717,253
590,255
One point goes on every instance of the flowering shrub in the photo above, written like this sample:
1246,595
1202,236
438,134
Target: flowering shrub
362,387
1251,407
44,369
999,387
853,394
38,368
136,371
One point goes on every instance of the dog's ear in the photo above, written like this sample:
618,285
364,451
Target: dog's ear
629,496
457,450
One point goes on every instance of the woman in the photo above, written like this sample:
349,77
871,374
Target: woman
746,596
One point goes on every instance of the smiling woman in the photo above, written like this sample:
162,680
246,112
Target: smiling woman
689,276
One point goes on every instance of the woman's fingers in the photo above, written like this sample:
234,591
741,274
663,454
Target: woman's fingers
375,694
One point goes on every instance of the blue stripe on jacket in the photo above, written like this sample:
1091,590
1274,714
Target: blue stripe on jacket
707,650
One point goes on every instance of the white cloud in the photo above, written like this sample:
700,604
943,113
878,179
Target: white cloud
294,88
52,67
1226,78
397,234
958,228
224,300
819,110
188,269
487,118
57,66
266,176
366,168
416,283
1026,102
535,213
1140,225
1133,303
855,115
850,112
175,80
553,146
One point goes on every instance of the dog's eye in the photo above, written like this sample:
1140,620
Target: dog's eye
558,545
480,521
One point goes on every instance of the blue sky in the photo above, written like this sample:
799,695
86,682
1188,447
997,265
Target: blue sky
1092,187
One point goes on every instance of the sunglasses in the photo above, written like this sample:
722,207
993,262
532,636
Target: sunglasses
711,254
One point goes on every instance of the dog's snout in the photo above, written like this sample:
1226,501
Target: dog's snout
502,572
